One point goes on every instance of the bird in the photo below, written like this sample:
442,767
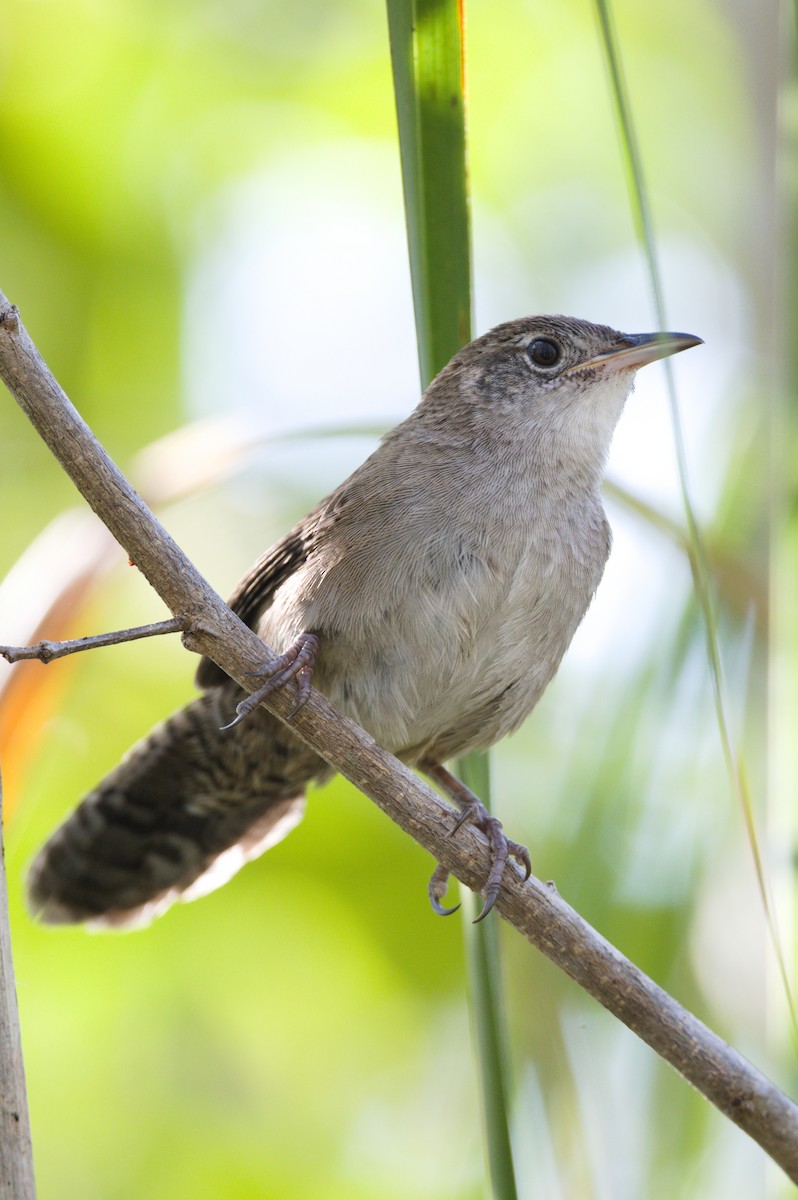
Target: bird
431,597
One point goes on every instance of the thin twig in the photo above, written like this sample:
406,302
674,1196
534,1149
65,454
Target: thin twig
727,1079
47,652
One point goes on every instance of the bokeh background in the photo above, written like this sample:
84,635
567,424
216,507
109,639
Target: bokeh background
201,220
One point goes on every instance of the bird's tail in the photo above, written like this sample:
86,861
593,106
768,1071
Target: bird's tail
178,817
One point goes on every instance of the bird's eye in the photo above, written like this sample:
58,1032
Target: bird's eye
544,352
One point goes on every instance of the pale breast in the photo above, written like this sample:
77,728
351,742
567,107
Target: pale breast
523,639
454,641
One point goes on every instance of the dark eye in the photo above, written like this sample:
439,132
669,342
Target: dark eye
543,352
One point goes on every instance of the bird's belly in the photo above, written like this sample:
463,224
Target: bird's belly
458,651
497,689
435,690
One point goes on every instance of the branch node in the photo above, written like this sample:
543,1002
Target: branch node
9,318
194,630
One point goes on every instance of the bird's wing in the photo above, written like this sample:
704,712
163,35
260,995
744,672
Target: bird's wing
254,592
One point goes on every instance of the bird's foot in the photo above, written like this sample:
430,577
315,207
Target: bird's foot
501,848
296,663
473,812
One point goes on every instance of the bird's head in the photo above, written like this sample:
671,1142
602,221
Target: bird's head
553,383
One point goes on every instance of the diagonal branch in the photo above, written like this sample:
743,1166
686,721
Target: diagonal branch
727,1079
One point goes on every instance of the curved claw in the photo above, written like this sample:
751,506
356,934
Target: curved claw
485,910
468,815
499,849
248,705
297,663
521,855
231,724
503,848
437,890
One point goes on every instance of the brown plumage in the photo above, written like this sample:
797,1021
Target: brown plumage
444,580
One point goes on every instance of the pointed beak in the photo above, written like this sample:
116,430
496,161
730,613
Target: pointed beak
637,349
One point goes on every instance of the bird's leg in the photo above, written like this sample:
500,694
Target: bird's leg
473,812
296,663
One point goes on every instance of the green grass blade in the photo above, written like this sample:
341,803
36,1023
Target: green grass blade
641,210
427,55
488,1020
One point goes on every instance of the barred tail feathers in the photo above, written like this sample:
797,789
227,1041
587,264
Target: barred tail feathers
180,815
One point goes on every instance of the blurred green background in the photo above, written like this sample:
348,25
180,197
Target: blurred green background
201,220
